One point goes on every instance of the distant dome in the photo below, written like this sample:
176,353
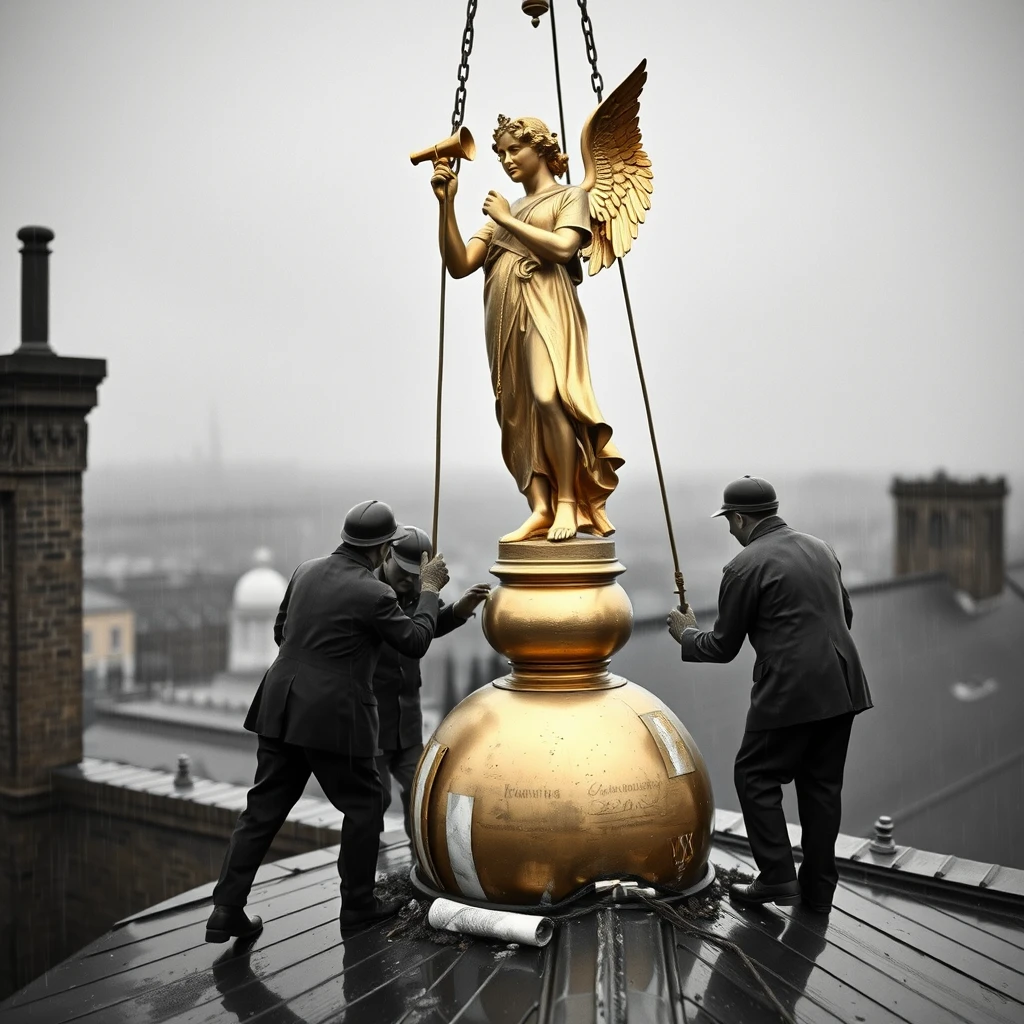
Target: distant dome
261,588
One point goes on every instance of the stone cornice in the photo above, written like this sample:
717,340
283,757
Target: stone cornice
33,381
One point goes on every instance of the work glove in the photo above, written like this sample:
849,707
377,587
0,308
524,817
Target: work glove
433,573
678,621
476,595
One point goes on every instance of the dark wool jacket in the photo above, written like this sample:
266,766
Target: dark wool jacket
333,622
397,682
785,591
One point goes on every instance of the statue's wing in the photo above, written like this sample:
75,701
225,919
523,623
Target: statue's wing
618,175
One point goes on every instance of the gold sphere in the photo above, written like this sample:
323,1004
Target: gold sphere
522,797
559,773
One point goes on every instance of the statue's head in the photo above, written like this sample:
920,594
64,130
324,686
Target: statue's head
533,132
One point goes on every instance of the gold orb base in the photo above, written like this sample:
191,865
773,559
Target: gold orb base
560,773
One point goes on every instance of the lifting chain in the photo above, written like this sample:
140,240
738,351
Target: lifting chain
596,81
459,111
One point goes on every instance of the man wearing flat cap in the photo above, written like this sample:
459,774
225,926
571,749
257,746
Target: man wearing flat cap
397,680
785,592
315,713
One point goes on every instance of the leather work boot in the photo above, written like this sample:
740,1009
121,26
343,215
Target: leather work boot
367,913
785,894
231,922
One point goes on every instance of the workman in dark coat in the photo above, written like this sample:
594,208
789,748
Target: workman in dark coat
397,681
785,592
315,713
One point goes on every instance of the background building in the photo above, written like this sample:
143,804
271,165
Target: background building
254,605
108,647
955,527
181,618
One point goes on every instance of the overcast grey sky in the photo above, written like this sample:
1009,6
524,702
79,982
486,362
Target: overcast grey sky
832,275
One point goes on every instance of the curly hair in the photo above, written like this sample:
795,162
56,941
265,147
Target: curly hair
533,132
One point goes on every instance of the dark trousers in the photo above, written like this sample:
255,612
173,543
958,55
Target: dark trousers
282,771
812,755
400,764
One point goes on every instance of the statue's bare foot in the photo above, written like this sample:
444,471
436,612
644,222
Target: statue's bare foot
564,526
536,526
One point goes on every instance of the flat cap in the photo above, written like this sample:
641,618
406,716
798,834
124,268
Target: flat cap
748,494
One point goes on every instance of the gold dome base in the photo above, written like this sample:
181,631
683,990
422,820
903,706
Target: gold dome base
561,773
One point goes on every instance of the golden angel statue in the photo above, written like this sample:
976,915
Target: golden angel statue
554,439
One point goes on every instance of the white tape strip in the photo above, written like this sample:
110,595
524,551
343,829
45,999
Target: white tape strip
416,814
458,827
673,749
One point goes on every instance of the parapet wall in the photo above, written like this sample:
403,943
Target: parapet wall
111,840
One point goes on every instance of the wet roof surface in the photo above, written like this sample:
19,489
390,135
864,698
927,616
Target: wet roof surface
888,952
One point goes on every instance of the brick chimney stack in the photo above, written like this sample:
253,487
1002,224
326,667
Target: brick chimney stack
955,527
44,400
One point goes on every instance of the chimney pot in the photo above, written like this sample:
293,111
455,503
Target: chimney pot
35,290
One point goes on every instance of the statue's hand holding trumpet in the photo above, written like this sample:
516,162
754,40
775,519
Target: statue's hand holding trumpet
459,146
444,179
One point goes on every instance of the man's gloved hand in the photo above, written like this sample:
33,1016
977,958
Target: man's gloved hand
476,595
678,621
433,573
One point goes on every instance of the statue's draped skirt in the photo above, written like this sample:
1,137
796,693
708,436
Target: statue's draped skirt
523,295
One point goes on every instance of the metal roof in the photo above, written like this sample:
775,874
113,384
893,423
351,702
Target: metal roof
891,951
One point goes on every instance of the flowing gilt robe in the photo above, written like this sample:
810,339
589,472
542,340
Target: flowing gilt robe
523,295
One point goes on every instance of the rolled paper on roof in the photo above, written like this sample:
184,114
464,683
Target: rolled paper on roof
526,929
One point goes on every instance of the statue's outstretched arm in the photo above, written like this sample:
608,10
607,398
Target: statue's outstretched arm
461,259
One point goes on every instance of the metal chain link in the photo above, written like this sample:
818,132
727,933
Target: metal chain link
459,111
596,81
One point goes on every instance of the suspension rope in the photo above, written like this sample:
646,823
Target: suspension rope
597,84
558,85
440,375
458,116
